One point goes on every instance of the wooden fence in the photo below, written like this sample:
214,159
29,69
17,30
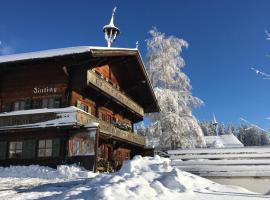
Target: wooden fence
227,162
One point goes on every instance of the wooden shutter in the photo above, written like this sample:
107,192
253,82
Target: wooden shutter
3,150
29,149
56,147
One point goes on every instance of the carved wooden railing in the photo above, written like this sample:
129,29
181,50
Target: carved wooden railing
109,129
105,86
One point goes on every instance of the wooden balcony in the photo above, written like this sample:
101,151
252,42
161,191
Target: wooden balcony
62,117
103,85
109,129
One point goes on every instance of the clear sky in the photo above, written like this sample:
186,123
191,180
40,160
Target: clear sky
226,38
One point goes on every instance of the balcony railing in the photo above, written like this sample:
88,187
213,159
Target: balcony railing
61,117
109,129
106,87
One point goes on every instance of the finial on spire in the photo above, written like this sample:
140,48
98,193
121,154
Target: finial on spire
137,44
110,30
214,119
114,10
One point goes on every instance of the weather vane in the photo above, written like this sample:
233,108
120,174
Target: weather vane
110,30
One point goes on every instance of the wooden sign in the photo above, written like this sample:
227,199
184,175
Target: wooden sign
44,90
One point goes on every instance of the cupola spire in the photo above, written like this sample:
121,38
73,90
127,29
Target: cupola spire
110,30
215,123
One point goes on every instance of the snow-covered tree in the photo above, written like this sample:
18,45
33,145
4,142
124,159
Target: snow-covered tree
174,125
252,136
205,127
264,139
208,128
140,128
230,129
221,129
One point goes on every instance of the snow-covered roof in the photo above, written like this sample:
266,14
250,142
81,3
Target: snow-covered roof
94,51
39,111
64,117
56,52
222,141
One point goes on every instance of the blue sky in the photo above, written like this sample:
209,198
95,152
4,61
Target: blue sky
226,38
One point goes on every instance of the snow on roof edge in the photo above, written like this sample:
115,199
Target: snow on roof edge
38,111
55,52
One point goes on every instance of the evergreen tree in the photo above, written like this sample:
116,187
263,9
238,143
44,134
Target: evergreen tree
230,129
264,139
205,127
221,129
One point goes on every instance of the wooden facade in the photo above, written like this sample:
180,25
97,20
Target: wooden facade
48,107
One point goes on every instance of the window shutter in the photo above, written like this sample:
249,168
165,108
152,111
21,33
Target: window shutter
56,147
29,149
3,149
7,107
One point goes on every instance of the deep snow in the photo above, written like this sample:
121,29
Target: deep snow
141,178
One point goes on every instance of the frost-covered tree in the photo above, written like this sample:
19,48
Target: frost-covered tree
230,129
140,128
252,136
205,127
208,128
174,125
264,139
221,129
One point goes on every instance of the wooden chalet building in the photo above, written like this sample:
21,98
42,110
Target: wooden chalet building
73,105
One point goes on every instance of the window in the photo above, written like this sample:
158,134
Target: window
53,102
17,105
7,107
37,103
45,148
3,150
15,149
82,106
27,104
22,105
104,117
45,103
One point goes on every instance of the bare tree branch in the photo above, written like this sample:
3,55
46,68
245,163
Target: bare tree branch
267,35
261,73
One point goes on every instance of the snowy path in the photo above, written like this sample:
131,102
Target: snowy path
141,178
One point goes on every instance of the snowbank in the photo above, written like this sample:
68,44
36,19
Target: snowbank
35,171
141,178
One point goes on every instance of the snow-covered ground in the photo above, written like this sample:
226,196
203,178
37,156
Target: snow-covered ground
142,178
